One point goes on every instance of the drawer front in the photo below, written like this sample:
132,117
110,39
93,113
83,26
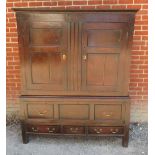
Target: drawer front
73,130
40,111
105,130
74,111
44,129
108,112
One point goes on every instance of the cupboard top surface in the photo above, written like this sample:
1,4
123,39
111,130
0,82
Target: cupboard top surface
75,10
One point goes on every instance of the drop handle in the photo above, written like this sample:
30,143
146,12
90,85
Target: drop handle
84,57
35,129
74,130
42,113
114,131
51,130
98,130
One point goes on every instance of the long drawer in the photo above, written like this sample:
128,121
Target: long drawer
53,129
40,110
74,130
105,130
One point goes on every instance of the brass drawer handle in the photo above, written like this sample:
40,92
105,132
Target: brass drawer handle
35,129
107,115
42,113
51,130
113,131
98,130
74,129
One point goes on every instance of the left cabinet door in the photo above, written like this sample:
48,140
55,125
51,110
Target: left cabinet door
45,52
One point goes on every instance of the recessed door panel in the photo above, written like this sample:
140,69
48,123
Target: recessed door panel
56,68
110,38
95,76
111,69
45,36
40,68
107,74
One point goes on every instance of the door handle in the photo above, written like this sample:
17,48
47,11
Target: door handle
64,57
84,57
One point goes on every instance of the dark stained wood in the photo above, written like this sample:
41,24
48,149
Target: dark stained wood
104,45
43,129
105,130
25,136
74,111
108,112
35,110
75,71
73,130
45,52
60,10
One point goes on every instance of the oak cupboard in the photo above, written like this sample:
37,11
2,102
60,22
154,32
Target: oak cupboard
75,71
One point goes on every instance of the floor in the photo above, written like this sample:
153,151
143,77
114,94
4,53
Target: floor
43,145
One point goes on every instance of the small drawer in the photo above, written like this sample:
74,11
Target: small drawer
73,130
44,129
40,110
108,112
105,130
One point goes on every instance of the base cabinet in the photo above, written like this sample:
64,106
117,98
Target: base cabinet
73,116
75,71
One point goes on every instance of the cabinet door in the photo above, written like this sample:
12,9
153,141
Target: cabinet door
104,58
46,52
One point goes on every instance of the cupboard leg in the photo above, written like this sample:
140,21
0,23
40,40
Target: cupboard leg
25,136
125,139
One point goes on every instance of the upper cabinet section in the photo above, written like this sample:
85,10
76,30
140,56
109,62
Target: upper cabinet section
75,53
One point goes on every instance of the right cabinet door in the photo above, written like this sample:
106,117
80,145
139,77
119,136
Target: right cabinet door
104,58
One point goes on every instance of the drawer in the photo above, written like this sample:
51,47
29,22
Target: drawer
74,111
44,128
74,130
108,112
40,110
105,130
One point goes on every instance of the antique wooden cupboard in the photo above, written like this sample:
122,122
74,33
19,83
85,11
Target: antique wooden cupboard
75,71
